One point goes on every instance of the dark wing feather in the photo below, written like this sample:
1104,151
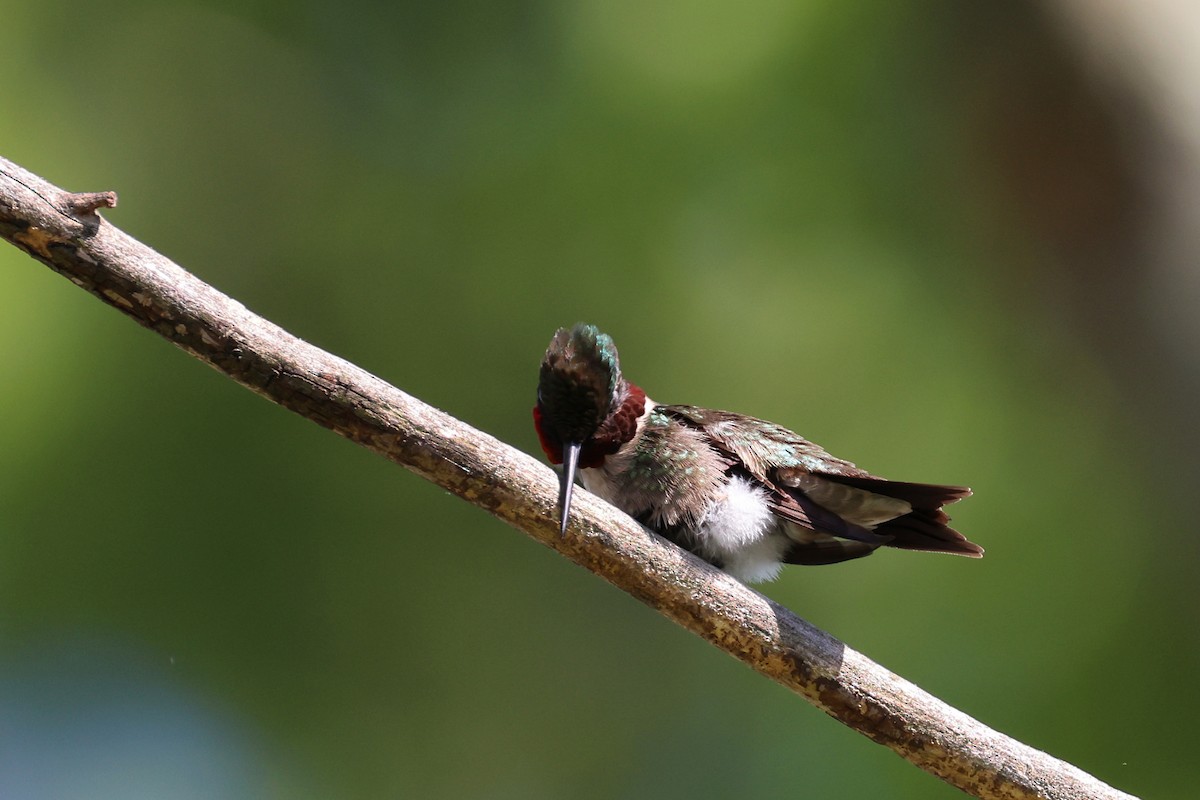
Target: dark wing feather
797,507
827,550
921,495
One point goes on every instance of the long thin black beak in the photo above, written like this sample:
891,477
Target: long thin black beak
567,481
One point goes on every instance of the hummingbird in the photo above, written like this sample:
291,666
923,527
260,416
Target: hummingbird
744,494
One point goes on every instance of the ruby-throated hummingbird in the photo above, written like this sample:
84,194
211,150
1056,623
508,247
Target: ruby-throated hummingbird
746,495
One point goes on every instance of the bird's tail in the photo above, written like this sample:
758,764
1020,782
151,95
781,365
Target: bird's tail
924,528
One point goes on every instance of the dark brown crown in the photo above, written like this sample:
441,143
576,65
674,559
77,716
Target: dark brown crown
579,384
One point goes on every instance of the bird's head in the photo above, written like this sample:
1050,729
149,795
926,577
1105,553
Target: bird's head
584,410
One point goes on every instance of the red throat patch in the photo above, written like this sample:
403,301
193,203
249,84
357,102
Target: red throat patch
552,449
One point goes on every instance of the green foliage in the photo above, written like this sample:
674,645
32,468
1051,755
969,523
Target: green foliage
772,211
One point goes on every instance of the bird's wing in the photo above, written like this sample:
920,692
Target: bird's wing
824,494
761,446
775,457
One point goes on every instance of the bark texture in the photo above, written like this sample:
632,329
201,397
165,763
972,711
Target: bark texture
64,231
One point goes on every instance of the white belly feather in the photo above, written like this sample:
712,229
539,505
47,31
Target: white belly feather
739,530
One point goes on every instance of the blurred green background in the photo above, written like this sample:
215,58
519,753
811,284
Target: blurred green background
911,231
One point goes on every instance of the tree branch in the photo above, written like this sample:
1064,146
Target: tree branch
63,231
